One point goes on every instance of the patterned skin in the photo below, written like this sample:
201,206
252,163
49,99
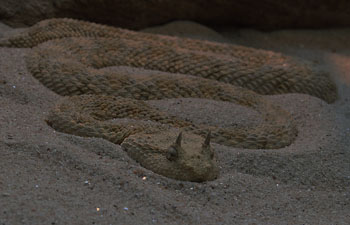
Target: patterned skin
68,57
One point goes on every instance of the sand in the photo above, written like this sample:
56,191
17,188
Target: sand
49,177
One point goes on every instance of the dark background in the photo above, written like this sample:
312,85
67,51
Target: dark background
136,14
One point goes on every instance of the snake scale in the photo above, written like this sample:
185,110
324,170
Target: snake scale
70,56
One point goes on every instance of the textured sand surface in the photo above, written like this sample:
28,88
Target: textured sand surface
49,177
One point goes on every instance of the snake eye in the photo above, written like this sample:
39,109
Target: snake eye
171,154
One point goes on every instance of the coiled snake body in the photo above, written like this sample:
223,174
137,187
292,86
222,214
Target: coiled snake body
69,57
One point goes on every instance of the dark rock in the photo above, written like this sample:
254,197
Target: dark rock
136,14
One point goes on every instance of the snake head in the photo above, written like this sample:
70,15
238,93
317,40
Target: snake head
174,149
174,154
200,163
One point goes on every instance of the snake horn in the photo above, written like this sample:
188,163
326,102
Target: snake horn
207,139
179,139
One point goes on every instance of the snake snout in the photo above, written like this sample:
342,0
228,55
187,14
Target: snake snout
204,171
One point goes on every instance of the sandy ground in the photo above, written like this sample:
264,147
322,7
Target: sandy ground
49,177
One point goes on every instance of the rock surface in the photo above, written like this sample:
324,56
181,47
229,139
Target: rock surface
265,14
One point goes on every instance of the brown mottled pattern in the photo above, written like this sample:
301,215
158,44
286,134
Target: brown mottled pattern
264,72
68,60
